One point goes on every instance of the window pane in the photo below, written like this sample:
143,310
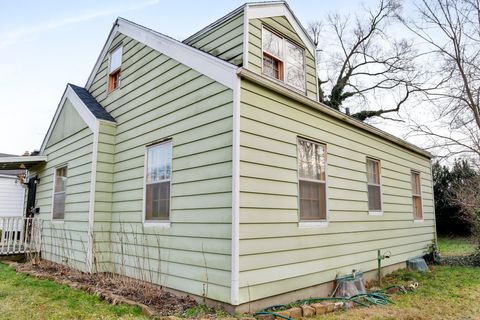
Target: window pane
272,44
416,183
417,207
159,166
374,198
373,171
313,204
59,205
158,201
295,66
311,160
115,59
271,67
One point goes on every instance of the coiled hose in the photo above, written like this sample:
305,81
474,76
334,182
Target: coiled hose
378,297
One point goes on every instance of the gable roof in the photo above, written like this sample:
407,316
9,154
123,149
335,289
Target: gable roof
212,67
87,107
95,108
262,9
224,72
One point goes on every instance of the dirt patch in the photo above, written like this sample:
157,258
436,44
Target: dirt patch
152,299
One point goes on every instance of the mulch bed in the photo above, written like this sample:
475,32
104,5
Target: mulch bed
152,299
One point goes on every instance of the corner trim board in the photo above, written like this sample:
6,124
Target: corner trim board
246,30
235,251
91,208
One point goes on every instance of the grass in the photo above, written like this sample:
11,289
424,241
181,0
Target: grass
455,246
444,293
23,297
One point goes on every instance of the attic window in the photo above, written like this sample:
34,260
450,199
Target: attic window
283,60
114,68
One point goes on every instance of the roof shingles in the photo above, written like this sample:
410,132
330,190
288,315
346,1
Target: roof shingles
95,108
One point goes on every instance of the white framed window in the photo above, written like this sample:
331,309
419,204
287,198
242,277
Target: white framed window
417,195
114,68
374,186
158,173
59,192
312,160
283,59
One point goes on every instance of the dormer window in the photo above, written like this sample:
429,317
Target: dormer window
114,68
283,60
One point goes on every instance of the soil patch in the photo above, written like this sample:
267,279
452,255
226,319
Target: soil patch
114,288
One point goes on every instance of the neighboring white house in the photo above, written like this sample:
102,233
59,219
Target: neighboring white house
12,193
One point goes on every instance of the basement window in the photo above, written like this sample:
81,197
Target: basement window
158,181
312,180
417,195
374,186
283,60
114,69
59,189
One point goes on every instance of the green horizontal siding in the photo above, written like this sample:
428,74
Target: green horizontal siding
281,25
71,144
161,98
277,256
224,41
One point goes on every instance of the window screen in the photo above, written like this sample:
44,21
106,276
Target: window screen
159,172
312,187
373,185
59,189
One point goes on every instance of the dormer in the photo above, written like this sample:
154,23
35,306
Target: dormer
266,38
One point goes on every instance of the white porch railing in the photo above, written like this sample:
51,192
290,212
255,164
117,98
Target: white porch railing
19,235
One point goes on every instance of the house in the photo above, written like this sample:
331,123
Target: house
12,191
208,166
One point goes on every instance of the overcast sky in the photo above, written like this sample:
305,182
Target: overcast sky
46,44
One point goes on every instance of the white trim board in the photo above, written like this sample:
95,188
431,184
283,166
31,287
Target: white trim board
235,247
206,64
79,106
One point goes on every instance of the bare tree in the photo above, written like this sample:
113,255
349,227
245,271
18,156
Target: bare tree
450,32
362,65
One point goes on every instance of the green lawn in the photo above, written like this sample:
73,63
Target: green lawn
444,293
455,246
23,297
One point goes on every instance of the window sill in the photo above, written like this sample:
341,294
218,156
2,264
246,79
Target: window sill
312,224
418,220
157,224
283,83
58,221
375,213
